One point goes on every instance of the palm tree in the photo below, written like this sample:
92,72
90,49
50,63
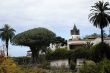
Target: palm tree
6,34
99,15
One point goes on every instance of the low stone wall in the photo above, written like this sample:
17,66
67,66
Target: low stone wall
60,63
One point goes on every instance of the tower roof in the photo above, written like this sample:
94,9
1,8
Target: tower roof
75,28
75,31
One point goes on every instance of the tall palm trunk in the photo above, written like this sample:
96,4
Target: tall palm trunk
102,40
7,47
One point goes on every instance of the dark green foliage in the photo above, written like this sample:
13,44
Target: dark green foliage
100,15
87,46
96,52
60,53
83,51
37,36
79,53
59,41
88,68
99,51
38,39
22,60
101,67
104,66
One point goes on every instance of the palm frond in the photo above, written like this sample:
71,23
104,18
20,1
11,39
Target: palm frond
99,15
6,32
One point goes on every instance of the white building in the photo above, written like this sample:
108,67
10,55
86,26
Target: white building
75,40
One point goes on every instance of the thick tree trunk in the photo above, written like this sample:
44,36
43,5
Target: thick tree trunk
102,40
35,55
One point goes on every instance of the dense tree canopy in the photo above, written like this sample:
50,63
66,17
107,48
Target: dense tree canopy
34,37
37,39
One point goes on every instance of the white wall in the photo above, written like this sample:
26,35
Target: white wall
59,63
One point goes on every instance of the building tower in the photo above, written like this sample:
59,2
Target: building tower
75,33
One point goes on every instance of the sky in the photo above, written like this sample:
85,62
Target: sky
58,16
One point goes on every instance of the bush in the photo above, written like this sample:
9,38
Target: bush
22,60
104,66
60,53
100,51
80,52
63,53
95,53
88,67
32,69
45,65
8,66
101,67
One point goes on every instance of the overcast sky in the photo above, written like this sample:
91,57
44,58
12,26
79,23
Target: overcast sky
56,15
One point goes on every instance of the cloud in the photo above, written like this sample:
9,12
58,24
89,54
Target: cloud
52,14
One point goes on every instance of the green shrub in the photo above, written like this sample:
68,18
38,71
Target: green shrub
104,66
32,69
101,67
63,53
88,67
45,65
60,53
80,52
100,51
95,53
22,60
